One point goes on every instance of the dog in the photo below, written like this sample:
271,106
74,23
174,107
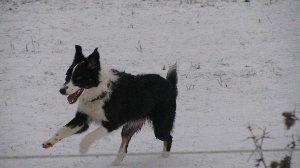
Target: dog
112,99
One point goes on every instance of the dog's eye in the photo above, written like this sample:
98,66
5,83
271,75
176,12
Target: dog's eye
90,79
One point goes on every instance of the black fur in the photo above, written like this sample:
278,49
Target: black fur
168,144
172,77
79,120
77,58
142,96
86,72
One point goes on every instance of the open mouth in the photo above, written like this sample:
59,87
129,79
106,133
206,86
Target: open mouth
73,97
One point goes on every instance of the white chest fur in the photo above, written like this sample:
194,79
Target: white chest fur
93,109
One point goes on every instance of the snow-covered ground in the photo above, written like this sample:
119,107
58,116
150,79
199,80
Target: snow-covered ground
239,64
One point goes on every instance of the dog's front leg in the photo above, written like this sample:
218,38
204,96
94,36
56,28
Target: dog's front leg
90,138
77,125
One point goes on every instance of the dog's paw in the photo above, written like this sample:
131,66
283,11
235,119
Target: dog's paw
84,146
118,160
115,163
48,144
165,154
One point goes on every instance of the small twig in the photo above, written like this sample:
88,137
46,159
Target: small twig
32,42
291,146
190,86
258,143
220,81
269,19
195,66
12,47
139,47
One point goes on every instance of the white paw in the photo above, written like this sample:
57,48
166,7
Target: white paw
165,154
116,163
85,145
119,159
49,143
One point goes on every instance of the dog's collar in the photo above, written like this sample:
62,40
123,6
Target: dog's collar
101,96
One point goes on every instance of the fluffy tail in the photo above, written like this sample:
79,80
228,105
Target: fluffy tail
172,75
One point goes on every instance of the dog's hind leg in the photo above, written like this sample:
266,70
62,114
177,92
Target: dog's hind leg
129,129
163,120
167,147
78,124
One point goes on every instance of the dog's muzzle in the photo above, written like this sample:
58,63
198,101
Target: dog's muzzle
63,90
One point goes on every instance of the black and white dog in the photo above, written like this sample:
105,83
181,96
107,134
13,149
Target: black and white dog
112,99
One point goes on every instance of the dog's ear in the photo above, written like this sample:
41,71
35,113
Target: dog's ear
93,61
78,54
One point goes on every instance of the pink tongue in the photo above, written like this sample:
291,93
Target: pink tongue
73,97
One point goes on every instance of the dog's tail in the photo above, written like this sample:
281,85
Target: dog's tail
172,76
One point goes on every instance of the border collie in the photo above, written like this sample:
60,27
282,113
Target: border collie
113,99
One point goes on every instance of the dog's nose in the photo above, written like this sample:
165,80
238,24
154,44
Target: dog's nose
62,91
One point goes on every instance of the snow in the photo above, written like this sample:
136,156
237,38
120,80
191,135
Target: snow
238,63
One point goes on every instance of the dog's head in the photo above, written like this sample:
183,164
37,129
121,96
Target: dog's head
82,74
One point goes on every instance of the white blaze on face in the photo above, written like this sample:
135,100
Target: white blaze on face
71,88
